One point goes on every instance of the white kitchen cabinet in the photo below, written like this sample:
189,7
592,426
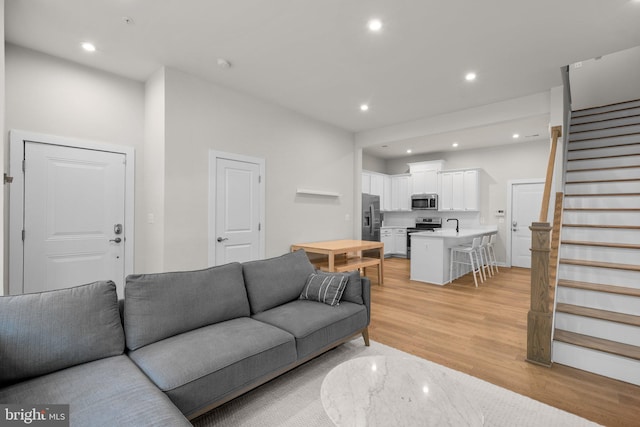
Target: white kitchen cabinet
385,200
386,237
459,190
400,197
376,184
400,241
424,176
366,182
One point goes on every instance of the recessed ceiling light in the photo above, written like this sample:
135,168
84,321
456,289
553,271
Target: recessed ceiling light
364,107
89,47
455,144
374,25
470,76
516,135
409,151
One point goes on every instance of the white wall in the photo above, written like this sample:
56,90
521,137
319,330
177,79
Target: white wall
299,152
49,95
3,291
606,80
499,165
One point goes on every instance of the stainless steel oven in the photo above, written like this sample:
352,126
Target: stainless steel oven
422,224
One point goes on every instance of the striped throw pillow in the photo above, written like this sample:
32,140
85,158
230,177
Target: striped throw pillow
325,287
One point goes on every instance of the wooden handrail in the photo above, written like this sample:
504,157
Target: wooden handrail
556,132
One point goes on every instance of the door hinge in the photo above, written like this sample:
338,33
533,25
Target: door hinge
259,179
8,179
23,233
23,165
259,226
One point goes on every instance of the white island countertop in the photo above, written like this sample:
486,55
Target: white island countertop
431,250
451,233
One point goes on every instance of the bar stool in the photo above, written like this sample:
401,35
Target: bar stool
492,252
485,264
459,255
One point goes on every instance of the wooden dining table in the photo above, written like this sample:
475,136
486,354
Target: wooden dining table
346,255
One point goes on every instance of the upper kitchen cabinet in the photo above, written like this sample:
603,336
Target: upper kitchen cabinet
378,184
424,176
400,197
459,190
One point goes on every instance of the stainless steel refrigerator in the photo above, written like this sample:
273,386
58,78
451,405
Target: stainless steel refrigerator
371,217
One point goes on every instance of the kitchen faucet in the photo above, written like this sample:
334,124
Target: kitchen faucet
457,223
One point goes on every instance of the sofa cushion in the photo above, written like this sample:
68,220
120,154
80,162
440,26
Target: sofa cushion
202,366
106,392
48,331
324,287
316,325
161,305
276,281
353,290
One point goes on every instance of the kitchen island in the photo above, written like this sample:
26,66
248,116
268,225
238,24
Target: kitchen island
431,251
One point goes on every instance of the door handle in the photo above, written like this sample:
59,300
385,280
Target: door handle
222,239
116,240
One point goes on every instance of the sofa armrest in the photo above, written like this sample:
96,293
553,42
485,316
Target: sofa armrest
366,296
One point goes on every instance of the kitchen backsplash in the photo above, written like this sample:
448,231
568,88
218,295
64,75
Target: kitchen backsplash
408,219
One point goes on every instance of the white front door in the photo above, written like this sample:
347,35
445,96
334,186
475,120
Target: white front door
526,199
74,217
237,234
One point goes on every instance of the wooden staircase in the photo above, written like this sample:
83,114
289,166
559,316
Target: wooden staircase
597,313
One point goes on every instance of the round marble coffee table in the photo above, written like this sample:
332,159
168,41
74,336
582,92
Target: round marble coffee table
394,391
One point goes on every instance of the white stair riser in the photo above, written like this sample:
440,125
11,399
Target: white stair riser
609,202
605,151
604,142
608,365
608,174
604,301
603,163
605,133
605,276
606,116
605,109
604,218
612,331
603,124
602,254
603,188
605,235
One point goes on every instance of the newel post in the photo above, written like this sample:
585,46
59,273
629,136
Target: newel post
539,319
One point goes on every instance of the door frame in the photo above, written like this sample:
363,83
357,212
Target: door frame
16,198
214,155
510,185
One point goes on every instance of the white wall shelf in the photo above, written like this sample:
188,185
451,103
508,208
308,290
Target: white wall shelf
321,193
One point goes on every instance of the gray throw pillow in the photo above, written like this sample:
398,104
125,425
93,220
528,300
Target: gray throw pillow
48,331
324,287
353,290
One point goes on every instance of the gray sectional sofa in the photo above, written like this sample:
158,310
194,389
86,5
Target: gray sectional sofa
179,344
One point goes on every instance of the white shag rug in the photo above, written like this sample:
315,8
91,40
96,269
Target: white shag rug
293,399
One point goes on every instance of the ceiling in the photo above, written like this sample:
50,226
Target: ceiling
318,57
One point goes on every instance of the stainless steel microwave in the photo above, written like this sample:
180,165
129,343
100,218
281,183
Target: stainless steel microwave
424,202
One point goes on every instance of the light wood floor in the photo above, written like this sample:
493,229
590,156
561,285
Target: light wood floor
482,331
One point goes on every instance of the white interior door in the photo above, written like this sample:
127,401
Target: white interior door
526,199
238,209
74,200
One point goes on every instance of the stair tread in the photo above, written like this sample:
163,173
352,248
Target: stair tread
601,244
623,127
598,287
613,347
612,316
604,209
602,195
624,227
600,264
595,181
602,109
604,157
